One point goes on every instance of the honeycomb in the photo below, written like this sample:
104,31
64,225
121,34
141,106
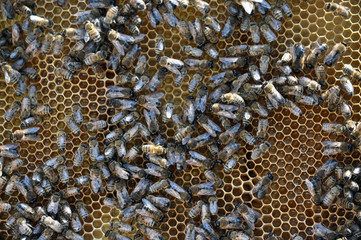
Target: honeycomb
295,155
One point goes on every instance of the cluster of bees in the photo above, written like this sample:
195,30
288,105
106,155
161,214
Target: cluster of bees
341,183
222,106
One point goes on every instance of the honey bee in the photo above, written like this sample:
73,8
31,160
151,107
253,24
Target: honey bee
350,71
331,195
154,149
233,62
234,235
322,231
53,205
247,137
5,207
202,189
176,191
229,27
230,149
12,111
130,57
64,73
254,71
196,64
321,74
183,29
331,148
222,77
293,108
95,125
121,227
116,168
42,22
64,174
151,120
167,111
237,50
92,58
234,99
29,134
347,85
263,63
261,188
157,186
93,31
94,152
159,44
141,66
262,129
111,15
334,127
11,75
310,84
228,135
250,216
335,54
268,34
71,124
318,50
61,140
81,209
58,44
332,95
211,127
50,174
211,51
25,108
345,109
338,10
192,51
212,177
160,202
138,4
70,192
273,95
113,136
255,33
23,226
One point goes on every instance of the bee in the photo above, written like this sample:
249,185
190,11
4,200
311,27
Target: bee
71,124
157,186
12,111
150,233
230,149
130,57
263,63
247,137
64,73
322,231
151,210
157,171
52,223
211,127
160,202
228,135
138,4
157,79
11,75
332,95
268,34
234,99
229,27
212,177
151,120
255,33
335,54
23,226
261,188
237,50
318,50
81,209
111,15
211,51
230,163
183,29
92,58
50,174
113,136
95,125
5,207
273,95
53,205
159,44
65,208
29,134
350,71
64,174
331,195
256,50
334,127
196,64
121,227
42,22
293,108
345,203
119,92
321,74
77,115
234,235
168,111
58,44
93,31
250,216
25,108
70,192
331,148
347,85
154,149
61,140
286,9
338,10
310,84
192,51
345,109
210,35
11,222
233,62
262,129
141,65
196,209
76,223
176,191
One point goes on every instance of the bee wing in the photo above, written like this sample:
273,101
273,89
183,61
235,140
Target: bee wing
173,193
194,162
206,185
31,130
329,166
248,6
248,219
197,155
176,187
154,96
209,129
214,126
203,136
27,182
35,18
7,77
186,139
